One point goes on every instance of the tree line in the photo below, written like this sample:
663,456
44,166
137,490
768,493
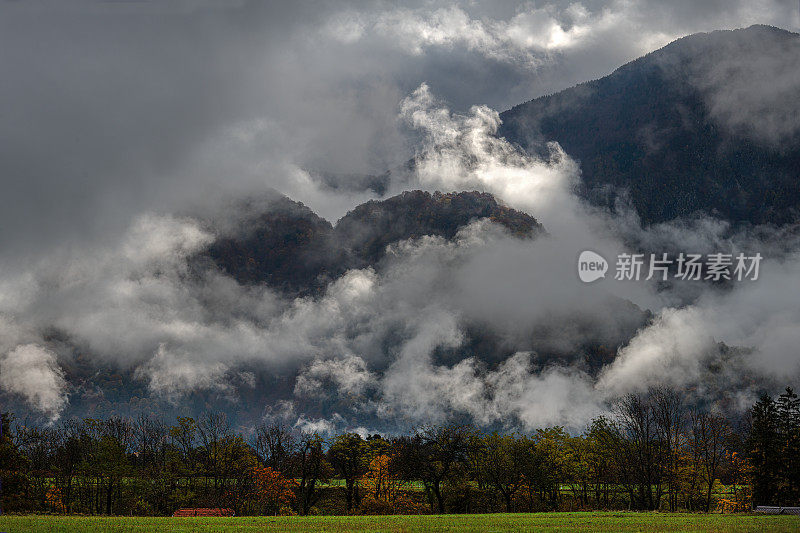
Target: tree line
651,452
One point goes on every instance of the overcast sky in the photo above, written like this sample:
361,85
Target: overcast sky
110,109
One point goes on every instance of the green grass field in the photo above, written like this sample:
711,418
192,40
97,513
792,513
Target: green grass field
611,521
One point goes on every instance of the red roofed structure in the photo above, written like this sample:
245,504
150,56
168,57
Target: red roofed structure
204,511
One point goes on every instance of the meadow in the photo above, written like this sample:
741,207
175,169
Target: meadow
566,522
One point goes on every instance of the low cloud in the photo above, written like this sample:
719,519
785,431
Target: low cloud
390,342
32,372
349,376
173,374
750,83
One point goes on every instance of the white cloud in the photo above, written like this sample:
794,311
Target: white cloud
320,426
32,372
670,351
349,375
172,374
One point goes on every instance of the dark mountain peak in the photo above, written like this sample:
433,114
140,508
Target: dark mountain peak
749,37
284,244
255,212
699,54
274,240
707,124
370,227
440,213
697,47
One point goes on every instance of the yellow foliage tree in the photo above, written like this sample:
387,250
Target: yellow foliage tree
379,482
384,490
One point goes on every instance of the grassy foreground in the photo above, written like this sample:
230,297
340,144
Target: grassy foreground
611,521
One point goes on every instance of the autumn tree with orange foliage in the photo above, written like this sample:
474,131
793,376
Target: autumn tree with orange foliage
384,491
54,501
274,491
740,495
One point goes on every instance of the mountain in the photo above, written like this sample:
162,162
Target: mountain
275,241
278,242
710,123
284,244
369,228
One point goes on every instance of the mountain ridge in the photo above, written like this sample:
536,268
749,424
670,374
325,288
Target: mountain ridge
656,130
284,244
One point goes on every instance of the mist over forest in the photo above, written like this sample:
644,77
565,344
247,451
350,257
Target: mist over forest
368,219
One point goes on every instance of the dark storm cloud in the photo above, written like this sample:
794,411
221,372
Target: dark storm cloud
104,106
115,110
108,107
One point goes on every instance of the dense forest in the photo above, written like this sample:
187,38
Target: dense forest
651,452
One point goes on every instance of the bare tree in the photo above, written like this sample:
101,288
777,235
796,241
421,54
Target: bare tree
213,430
642,453
670,417
709,433
274,444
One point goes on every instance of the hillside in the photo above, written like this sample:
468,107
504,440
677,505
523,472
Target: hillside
284,244
706,124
